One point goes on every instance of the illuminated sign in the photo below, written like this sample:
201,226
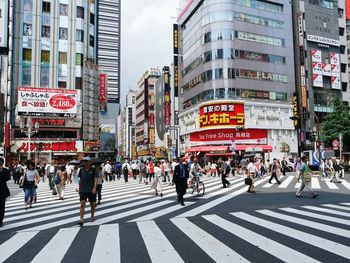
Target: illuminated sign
253,136
176,76
103,92
50,147
222,114
49,122
295,109
176,38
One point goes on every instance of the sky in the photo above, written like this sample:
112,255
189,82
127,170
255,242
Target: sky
146,39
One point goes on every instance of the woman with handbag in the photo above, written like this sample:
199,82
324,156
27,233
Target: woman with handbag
157,182
31,180
61,181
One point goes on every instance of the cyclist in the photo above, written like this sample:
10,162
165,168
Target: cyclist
195,170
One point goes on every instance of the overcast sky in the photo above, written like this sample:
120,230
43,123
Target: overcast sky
146,38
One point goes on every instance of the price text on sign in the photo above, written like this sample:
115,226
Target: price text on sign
222,114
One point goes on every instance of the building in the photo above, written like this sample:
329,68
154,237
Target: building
236,79
54,55
130,121
145,113
321,62
108,59
122,141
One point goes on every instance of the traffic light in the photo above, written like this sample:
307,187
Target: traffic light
312,137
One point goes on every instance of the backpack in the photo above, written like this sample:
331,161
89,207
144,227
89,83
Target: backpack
125,169
57,179
227,169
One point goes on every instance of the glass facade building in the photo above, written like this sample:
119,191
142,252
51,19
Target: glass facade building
236,49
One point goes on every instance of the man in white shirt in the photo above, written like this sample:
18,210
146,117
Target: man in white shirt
69,170
108,171
126,169
51,172
135,169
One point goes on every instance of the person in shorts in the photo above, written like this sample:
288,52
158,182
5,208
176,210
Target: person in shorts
88,176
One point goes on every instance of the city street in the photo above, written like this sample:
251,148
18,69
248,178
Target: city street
225,225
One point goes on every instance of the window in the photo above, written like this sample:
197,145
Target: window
62,84
27,54
63,58
63,10
271,7
63,33
80,35
80,12
343,67
259,38
78,59
27,29
92,18
78,83
220,93
92,41
45,56
45,31
341,31
46,7
28,5
342,49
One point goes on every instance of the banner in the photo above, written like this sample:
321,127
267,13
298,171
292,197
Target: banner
45,101
103,92
326,69
246,136
221,114
336,83
45,146
316,55
317,80
317,68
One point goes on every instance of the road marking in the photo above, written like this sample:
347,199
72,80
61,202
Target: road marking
58,246
307,223
315,184
297,185
9,247
286,182
224,190
218,201
345,183
313,240
107,245
278,250
162,212
112,218
158,246
317,216
325,210
330,184
214,248
348,204
337,207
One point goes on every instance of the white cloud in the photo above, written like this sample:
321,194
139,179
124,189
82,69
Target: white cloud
146,38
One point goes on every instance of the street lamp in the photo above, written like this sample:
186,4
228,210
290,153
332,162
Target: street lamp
29,129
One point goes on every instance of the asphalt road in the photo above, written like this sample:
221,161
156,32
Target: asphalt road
226,225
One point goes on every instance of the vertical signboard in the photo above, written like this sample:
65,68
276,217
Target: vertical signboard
167,109
176,38
3,23
176,76
103,92
295,110
301,30
303,87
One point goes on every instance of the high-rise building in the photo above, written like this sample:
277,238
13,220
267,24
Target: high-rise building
321,62
108,59
53,43
130,120
236,76
108,45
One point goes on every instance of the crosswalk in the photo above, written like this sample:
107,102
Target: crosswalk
317,182
290,234
128,202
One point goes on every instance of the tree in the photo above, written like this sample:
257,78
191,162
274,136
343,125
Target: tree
336,122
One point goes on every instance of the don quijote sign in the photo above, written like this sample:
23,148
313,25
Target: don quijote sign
42,101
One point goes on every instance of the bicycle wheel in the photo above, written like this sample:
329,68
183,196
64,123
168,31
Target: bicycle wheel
200,189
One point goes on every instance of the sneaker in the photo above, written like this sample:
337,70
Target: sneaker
182,204
315,195
80,223
298,196
161,194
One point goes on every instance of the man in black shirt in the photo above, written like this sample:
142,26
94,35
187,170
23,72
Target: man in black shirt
181,174
4,190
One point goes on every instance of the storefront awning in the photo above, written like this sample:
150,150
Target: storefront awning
253,148
207,149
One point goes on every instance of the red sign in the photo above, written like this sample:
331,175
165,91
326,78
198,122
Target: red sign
103,88
54,147
151,119
49,122
62,102
222,114
259,136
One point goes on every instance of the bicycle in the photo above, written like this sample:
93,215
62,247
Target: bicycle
197,186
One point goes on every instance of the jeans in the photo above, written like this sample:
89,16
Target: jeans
29,194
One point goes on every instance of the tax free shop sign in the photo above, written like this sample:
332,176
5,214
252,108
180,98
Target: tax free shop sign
47,101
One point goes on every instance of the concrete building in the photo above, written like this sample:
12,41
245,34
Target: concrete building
145,114
321,61
130,121
236,61
53,43
108,58
122,141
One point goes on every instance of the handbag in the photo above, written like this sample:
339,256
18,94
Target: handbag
248,181
22,181
54,191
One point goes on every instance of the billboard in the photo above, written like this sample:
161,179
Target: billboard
46,101
103,92
3,23
217,114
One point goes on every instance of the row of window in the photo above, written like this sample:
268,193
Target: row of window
237,16
228,53
323,3
260,38
45,57
232,93
262,5
230,73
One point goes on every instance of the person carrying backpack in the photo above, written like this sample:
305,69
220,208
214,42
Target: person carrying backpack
126,170
143,171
